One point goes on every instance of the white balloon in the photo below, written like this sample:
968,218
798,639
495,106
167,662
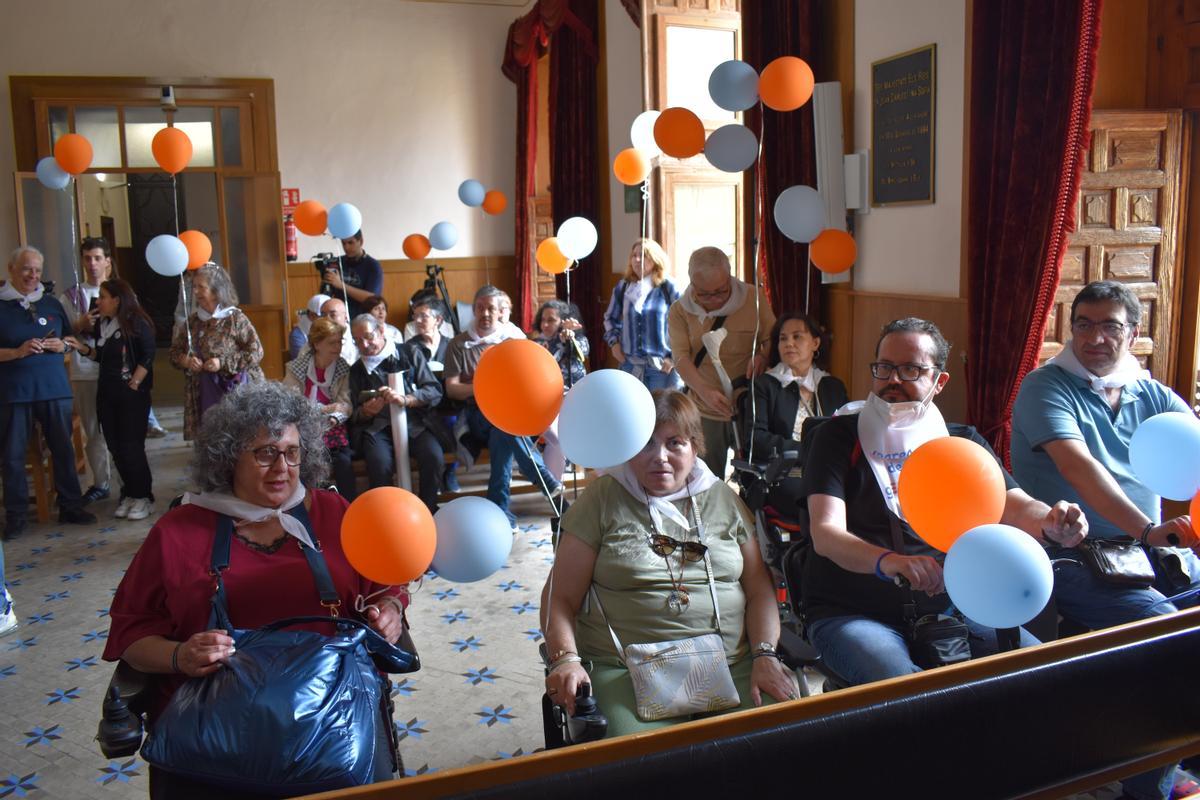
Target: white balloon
577,238
641,133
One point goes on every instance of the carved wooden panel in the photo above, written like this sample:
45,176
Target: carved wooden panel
1128,228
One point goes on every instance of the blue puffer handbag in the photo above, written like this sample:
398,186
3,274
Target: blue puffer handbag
291,712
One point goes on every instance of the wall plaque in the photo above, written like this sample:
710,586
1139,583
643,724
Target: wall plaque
903,100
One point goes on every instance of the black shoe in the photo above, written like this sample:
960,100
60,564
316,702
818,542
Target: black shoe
76,516
14,527
95,493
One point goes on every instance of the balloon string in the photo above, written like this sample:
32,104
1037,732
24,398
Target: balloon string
187,314
175,198
757,206
74,239
524,442
807,276
345,294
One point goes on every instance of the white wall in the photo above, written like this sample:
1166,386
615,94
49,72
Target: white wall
386,104
914,249
623,51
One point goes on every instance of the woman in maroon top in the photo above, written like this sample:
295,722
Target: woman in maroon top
258,453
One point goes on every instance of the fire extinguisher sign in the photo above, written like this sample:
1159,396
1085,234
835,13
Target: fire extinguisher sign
291,199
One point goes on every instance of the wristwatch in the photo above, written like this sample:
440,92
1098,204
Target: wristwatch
765,648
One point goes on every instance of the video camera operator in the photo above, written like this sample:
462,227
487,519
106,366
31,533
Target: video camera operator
360,277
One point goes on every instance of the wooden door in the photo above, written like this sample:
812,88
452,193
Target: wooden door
1127,229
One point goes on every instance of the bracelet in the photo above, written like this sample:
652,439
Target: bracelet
767,654
878,572
564,660
1145,533
175,657
564,652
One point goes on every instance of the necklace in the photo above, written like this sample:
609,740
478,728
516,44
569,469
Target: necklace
677,599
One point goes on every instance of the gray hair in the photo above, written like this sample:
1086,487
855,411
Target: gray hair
373,323
219,282
709,259
15,255
488,291
232,425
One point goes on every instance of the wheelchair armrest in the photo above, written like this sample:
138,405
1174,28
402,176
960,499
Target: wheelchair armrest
748,467
131,684
779,466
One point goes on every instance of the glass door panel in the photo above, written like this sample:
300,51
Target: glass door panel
44,221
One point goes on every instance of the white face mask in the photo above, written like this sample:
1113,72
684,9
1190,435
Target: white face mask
903,414
889,432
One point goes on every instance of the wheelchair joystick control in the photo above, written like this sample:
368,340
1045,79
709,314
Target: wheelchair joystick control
587,724
120,732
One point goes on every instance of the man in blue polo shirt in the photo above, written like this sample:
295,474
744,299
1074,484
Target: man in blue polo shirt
1072,423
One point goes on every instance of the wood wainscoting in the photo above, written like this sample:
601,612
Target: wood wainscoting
855,318
403,277
269,322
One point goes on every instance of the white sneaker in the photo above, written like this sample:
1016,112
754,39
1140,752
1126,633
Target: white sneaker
8,621
140,508
123,508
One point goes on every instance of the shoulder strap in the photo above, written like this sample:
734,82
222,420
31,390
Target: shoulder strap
703,351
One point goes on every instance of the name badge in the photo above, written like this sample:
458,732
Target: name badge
41,320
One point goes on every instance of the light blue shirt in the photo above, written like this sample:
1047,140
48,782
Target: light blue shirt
1054,404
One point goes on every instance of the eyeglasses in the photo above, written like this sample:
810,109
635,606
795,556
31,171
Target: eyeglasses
424,315
882,371
1111,330
266,456
663,545
713,295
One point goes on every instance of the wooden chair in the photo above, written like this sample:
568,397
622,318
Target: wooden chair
41,469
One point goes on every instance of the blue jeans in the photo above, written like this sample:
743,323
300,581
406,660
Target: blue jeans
862,650
16,423
152,420
1084,598
502,449
655,378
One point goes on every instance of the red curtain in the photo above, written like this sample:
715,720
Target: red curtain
770,29
1032,72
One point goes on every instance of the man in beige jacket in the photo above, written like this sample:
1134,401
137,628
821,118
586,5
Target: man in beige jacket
717,308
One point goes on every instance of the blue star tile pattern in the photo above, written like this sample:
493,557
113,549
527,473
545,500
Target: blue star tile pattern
540,542
63,595
80,663
55,535
75,576
28,565
14,786
93,636
533,635
549,559
8,672
478,676
490,716
84,560
116,771
414,728
525,608
403,687
446,594
39,551
101,612
40,736
502,756
94,543
528,528
40,619
12,584
509,586
23,644
469,643
421,770
62,695
457,616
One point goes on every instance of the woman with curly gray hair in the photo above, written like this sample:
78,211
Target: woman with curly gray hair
218,347
258,460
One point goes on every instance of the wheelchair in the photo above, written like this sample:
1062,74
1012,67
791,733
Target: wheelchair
587,724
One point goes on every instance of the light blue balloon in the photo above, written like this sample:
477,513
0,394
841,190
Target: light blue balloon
998,576
731,148
800,213
1165,454
443,236
471,192
51,174
606,419
733,85
344,220
167,255
473,539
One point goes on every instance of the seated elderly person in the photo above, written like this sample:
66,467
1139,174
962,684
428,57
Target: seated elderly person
335,309
371,424
665,551
320,374
428,323
428,298
305,317
377,307
258,452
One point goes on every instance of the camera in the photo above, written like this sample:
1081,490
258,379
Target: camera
324,261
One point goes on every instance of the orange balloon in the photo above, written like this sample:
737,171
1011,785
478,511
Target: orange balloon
631,166
73,153
388,536
786,83
172,149
949,486
679,133
416,245
833,251
310,218
494,202
198,246
1194,511
550,258
519,387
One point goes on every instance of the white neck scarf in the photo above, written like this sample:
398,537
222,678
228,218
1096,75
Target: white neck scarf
699,480
243,511
636,293
372,362
9,292
220,312
321,384
783,373
1128,371
108,326
737,296
501,333
889,432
